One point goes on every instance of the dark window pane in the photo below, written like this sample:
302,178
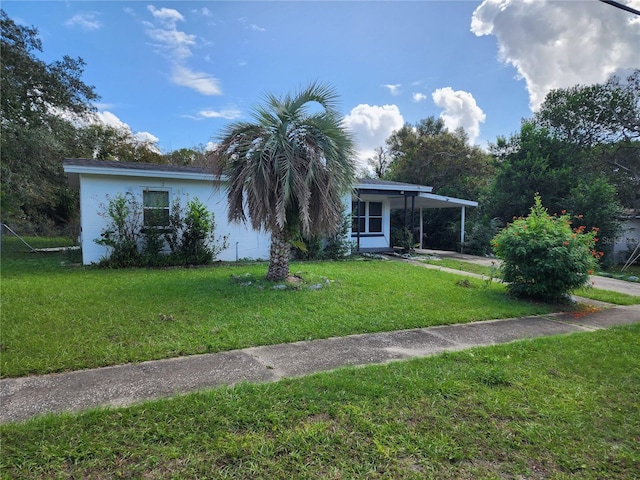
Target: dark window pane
156,217
155,199
375,209
375,225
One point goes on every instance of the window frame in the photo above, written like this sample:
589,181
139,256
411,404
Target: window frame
365,218
150,208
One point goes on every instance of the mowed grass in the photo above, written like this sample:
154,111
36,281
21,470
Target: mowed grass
57,317
563,407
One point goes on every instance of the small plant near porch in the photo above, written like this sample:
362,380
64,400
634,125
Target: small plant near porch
289,169
543,257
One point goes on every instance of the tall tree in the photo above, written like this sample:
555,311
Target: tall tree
35,136
537,162
289,169
603,121
427,153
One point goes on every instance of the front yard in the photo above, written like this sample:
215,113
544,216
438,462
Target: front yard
58,317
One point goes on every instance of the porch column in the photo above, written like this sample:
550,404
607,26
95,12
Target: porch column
462,230
405,211
358,218
413,213
421,228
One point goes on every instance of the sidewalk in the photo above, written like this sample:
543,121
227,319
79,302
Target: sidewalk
26,397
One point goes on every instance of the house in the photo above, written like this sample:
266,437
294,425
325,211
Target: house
158,186
374,199
629,237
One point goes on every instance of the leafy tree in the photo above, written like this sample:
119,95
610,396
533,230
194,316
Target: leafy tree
530,162
429,154
35,135
103,142
289,169
603,121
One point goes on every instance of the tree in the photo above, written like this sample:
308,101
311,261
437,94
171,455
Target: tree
603,120
429,154
380,162
530,162
289,169
567,178
35,135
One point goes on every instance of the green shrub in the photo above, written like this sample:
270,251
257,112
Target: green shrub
403,238
543,257
335,247
189,236
123,232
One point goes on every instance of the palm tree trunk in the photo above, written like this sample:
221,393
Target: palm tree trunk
279,256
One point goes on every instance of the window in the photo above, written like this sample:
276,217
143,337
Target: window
375,217
368,219
155,204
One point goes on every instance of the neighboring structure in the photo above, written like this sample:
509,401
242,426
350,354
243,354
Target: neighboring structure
157,186
629,236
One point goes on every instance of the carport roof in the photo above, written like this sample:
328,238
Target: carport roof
418,196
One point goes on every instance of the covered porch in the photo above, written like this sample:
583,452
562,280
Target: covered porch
373,201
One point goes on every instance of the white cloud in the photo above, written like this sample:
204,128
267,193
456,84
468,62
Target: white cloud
393,89
460,110
560,44
86,21
168,16
201,82
177,46
419,97
371,126
257,28
229,113
204,11
110,120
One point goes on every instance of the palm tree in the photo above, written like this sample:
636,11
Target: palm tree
289,169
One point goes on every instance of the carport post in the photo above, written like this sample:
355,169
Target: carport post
421,228
462,230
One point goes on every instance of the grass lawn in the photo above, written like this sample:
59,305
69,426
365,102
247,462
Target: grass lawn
563,407
489,272
57,317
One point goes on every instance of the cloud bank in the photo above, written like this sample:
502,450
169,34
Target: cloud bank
560,44
459,110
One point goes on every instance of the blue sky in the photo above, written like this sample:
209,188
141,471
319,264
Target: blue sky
177,72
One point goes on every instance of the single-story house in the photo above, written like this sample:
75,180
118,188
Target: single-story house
157,186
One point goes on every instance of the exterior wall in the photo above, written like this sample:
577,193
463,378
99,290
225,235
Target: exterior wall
376,241
95,190
629,236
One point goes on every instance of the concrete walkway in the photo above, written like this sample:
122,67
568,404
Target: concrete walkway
26,397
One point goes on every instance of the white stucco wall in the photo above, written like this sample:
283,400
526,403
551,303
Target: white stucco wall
629,235
95,190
